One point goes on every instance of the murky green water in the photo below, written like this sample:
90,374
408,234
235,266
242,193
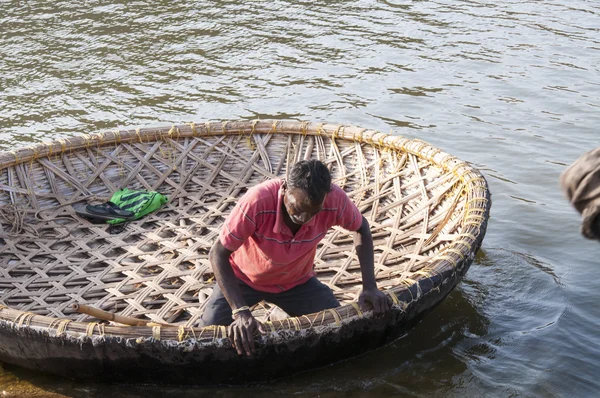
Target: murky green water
511,86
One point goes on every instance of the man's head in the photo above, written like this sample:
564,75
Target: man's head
305,191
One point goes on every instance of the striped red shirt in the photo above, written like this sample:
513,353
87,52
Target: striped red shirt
266,255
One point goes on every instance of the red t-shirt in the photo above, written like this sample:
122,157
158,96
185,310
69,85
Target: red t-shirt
266,255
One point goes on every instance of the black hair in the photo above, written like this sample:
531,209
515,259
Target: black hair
313,177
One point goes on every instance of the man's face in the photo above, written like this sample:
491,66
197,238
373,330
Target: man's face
299,206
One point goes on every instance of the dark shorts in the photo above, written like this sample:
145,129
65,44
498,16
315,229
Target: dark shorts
312,296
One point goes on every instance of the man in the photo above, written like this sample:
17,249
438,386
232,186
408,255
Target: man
581,184
267,246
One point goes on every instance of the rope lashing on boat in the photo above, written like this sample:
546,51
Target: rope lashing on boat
381,140
463,243
217,330
473,223
408,281
450,259
393,297
90,328
358,135
304,128
423,272
296,323
471,217
138,134
215,334
273,128
182,335
270,325
101,139
14,153
33,158
475,200
172,131
87,140
432,154
320,130
322,313
193,128
456,251
468,235
62,326
357,308
24,318
156,332
412,298
336,132
454,170
336,315
310,321
63,144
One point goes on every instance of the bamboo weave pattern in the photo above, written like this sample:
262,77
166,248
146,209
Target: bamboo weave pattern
420,206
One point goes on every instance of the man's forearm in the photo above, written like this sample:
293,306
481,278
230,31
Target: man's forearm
363,240
219,259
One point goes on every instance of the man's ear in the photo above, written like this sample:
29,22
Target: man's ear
284,185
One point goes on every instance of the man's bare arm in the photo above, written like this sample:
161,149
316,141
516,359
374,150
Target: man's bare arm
241,331
363,241
219,259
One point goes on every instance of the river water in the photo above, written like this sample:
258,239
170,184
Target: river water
511,86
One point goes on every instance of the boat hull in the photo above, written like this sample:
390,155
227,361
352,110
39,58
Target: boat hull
116,359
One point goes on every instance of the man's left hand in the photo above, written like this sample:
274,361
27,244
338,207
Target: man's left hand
378,299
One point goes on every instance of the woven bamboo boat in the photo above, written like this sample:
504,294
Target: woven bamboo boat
428,212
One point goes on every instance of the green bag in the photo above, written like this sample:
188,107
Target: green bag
139,202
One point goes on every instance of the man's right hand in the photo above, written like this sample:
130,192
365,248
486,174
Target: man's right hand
241,332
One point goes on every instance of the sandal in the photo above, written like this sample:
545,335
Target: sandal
103,211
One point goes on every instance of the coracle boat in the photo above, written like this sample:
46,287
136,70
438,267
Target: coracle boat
428,213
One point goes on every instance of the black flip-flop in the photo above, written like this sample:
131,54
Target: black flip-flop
103,211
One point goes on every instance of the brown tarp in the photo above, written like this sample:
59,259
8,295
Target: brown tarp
581,183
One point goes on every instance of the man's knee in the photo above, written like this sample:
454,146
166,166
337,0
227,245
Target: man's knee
217,310
211,317
313,296
216,314
322,293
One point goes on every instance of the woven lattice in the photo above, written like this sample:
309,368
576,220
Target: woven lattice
422,206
